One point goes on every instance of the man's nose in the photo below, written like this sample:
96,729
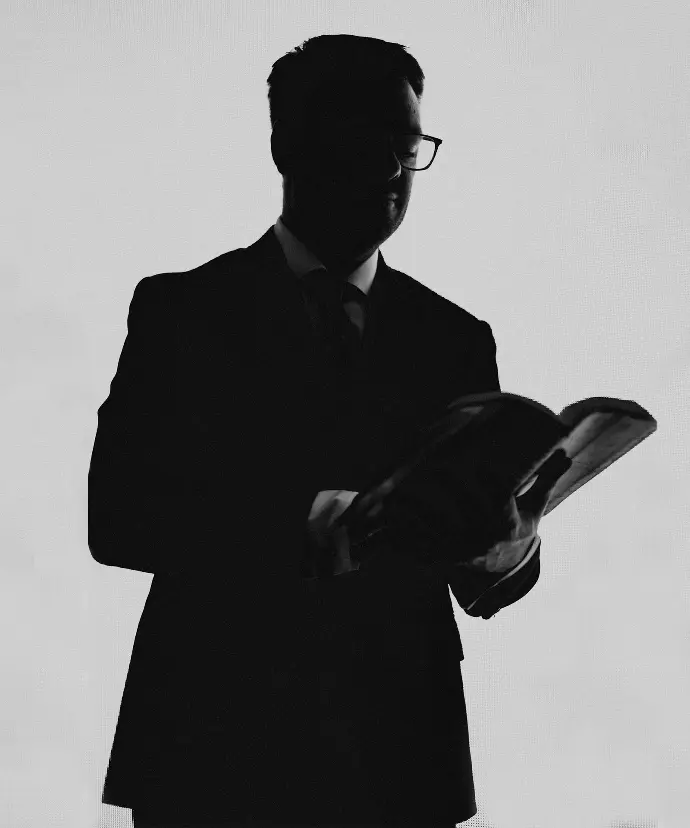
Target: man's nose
385,155
381,164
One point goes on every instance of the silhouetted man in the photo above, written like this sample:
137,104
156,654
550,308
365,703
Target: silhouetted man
273,682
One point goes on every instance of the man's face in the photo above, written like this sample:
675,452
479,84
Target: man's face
336,195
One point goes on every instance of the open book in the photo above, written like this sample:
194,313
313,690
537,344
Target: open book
517,435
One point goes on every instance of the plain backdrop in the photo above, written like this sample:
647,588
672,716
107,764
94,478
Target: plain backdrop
136,140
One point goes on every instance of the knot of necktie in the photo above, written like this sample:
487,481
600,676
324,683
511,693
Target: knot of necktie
339,328
331,288
332,292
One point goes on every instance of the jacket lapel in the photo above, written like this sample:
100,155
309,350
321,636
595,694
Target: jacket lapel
283,319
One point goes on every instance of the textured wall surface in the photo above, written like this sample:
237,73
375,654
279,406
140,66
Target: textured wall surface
136,141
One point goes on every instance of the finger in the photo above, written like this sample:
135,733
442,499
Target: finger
558,463
537,497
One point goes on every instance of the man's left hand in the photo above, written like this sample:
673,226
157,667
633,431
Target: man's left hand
523,514
475,521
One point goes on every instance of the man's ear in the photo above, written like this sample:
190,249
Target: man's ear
278,151
282,148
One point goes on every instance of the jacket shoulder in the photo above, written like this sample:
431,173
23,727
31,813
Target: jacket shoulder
190,294
208,273
433,304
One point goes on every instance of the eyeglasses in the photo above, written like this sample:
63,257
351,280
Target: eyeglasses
414,151
419,151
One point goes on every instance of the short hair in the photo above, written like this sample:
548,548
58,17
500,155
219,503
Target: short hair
299,76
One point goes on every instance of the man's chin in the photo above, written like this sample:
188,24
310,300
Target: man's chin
348,232
366,223
350,241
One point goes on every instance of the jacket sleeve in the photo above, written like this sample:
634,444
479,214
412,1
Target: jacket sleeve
156,503
130,522
485,593
145,511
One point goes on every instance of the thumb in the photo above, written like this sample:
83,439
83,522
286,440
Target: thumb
537,496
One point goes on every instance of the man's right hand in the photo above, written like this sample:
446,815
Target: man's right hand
328,544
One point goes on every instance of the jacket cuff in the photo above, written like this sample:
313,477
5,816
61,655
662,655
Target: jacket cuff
523,563
324,499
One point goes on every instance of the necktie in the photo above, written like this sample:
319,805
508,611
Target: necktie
339,320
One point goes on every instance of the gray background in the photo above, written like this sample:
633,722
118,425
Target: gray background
136,141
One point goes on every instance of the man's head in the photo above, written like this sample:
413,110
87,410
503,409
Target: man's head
340,106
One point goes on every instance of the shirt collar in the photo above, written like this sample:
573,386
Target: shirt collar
301,260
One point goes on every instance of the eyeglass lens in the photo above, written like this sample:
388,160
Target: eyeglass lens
413,151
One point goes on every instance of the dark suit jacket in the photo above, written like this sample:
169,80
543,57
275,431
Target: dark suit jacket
250,689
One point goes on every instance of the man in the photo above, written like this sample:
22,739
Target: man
264,689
